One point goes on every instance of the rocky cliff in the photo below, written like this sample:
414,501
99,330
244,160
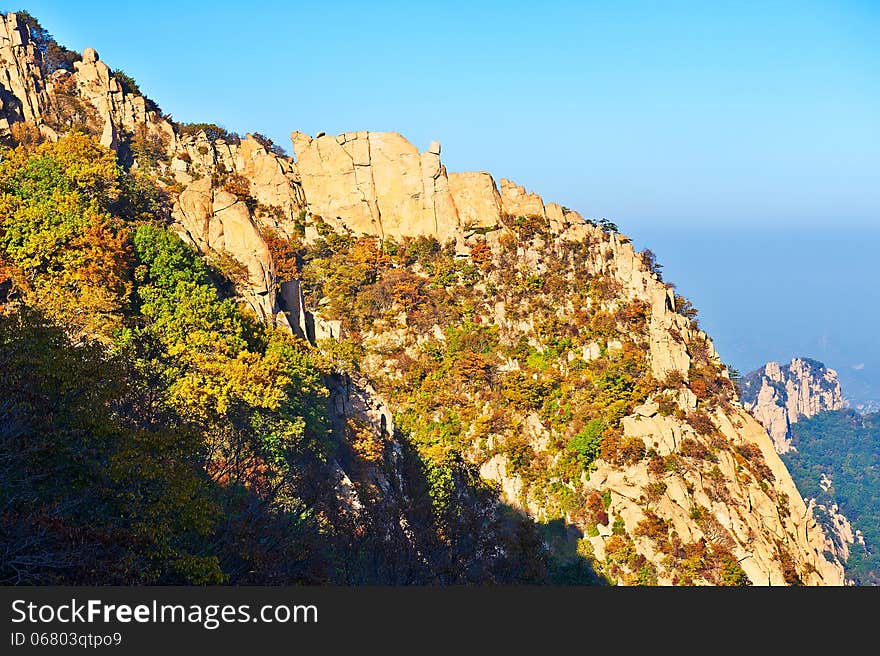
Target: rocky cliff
518,232
778,395
842,537
492,332
377,183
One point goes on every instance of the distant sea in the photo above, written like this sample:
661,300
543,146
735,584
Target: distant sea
772,295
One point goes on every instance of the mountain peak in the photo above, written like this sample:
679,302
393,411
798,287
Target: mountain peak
779,395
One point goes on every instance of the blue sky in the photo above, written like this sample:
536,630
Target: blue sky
740,141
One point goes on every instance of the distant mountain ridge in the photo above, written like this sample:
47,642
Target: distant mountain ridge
867,407
779,395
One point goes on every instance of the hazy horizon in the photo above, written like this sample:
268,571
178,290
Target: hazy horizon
772,295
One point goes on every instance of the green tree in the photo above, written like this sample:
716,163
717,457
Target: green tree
588,442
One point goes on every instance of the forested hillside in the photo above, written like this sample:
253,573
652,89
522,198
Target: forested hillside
152,429
837,462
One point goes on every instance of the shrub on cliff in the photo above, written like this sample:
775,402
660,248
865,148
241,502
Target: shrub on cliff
212,131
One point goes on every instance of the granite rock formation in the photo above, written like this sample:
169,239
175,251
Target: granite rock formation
778,395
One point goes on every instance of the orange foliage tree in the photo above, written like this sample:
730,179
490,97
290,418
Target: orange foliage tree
481,254
284,254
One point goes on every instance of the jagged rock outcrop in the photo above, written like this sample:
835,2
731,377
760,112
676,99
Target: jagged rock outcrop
23,94
751,516
376,183
216,221
121,114
613,255
308,325
778,395
516,201
31,95
840,536
272,180
211,218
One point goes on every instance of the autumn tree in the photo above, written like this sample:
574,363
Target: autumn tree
148,147
284,255
212,131
401,287
238,185
473,369
268,144
55,226
88,497
481,254
368,256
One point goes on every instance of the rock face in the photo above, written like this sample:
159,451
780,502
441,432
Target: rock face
476,199
271,179
778,395
752,518
516,201
30,94
841,537
23,94
120,113
377,183
759,523
614,256
749,517
216,221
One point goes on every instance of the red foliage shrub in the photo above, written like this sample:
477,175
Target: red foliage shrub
656,466
283,254
701,422
238,185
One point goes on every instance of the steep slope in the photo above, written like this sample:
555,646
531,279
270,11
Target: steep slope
268,448
557,362
475,334
779,395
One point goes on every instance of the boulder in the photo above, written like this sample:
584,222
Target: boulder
90,56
